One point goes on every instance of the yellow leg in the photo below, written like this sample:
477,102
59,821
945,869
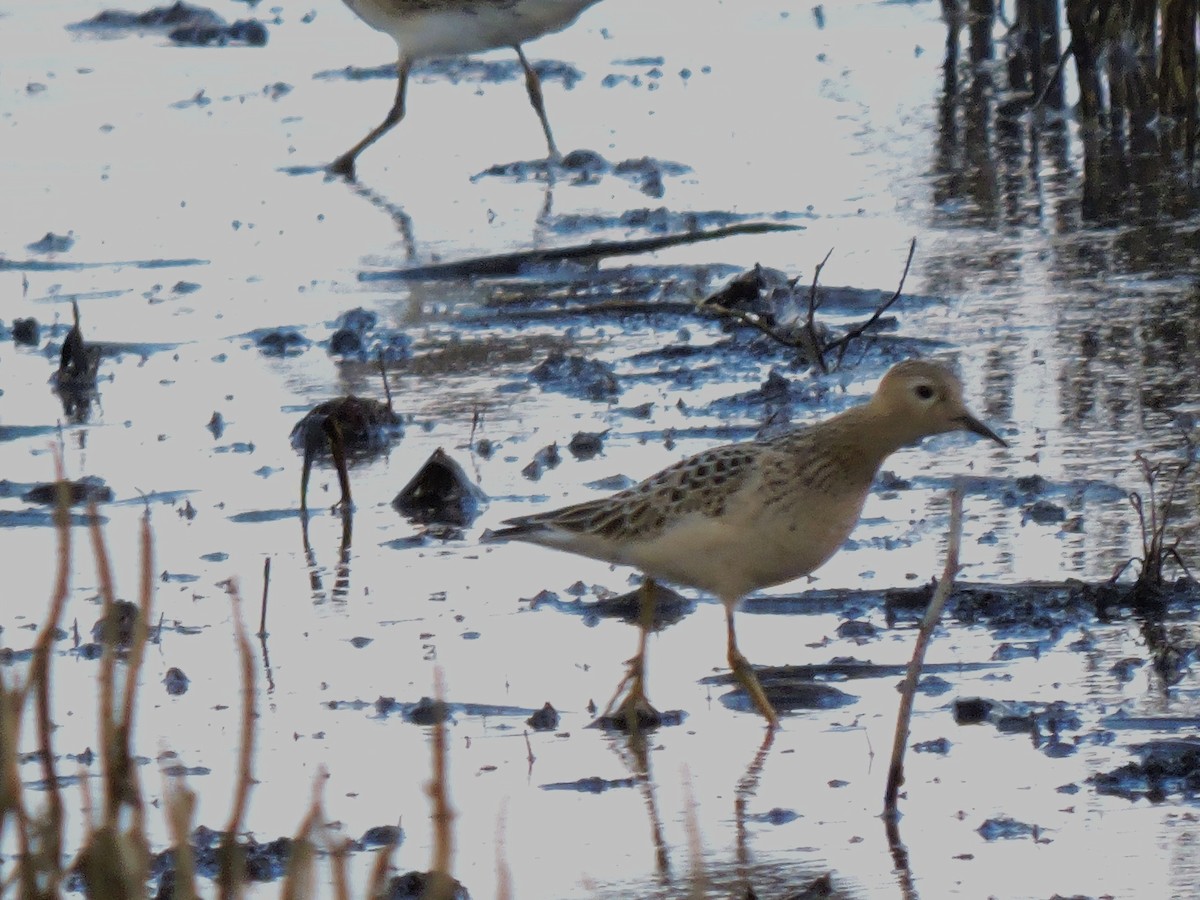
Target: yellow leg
744,673
629,708
534,87
344,164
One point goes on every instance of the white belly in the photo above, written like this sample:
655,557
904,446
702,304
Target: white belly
453,27
736,554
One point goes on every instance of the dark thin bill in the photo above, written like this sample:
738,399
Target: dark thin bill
973,424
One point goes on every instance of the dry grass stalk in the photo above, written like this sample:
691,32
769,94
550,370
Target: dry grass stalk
441,883
338,848
698,879
299,882
924,635
115,859
179,801
232,876
504,888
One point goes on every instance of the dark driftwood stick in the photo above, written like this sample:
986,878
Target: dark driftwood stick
932,614
262,618
507,264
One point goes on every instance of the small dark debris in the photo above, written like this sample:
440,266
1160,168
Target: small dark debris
1163,768
940,746
593,785
586,163
384,705
586,444
382,836
1032,484
1004,828
641,411
216,425
932,686
359,642
160,17
52,243
856,629
89,489
576,375
648,719
176,681
819,888
1043,512
428,712
281,342
242,33
545,719
412,886
485,447
345,342
548,457
125,616
440,492
27,332
775,816
890,481
1123,670
358,319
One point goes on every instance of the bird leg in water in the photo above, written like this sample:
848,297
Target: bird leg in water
633,710
744,673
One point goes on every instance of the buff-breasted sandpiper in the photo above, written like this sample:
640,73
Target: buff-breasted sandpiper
740,517
427,28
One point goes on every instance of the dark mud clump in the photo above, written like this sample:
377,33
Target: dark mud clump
27,332
440,493
281,342
1163,768
577,376
160,18
586,444
412,886
52,243
89,489
242,33
545,719
120,624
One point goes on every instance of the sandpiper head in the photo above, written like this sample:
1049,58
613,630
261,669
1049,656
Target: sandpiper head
924,398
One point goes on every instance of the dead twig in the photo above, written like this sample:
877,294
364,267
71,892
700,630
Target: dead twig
924,635
507,264
843,343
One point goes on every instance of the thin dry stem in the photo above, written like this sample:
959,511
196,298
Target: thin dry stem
179,802
504,888
108,662
842,344
441,883
924,635
698,888
299,882
233,876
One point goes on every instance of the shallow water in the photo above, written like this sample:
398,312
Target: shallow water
1073,330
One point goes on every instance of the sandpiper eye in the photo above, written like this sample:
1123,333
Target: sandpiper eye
924,391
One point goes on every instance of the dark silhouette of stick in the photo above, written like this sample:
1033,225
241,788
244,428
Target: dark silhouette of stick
932,614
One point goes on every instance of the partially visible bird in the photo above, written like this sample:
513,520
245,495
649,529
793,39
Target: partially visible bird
427,28
740,517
